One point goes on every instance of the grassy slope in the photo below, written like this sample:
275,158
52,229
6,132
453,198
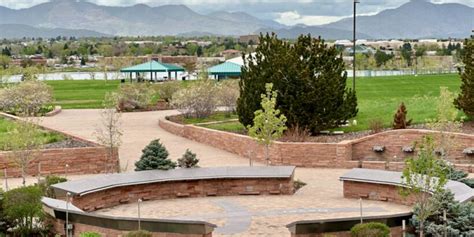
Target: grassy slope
7,125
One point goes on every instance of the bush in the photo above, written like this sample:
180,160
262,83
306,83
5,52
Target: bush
46,184
90,234
154,157
371,229
376,125
228,95
167,89
132,97
310,79
400,118
198,101
297,134
188,160
23,208
26,98
139,233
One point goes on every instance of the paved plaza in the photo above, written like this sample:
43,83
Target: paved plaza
321,198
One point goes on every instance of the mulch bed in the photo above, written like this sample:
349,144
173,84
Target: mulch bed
68,143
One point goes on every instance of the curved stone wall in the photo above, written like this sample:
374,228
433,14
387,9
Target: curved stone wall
345,154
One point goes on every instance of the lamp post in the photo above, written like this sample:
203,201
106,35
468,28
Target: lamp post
68,194
354,39
139,218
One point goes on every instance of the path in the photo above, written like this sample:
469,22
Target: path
138,130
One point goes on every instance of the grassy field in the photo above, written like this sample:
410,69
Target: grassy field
82,94
379,98
7,125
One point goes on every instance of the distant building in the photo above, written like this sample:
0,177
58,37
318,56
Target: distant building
230,53
32,60
249,39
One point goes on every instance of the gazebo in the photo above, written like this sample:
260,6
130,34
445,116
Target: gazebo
152,67
225,70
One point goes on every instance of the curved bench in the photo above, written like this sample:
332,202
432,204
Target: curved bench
384,186
106,191
118,226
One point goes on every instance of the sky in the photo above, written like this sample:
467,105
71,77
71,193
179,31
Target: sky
290,12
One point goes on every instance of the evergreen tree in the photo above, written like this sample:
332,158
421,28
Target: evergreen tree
465,101
188,160
154,157
400,118
310,79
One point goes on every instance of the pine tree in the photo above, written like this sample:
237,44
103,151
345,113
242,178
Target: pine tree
465,101
310,79
400,118
154,157
188,160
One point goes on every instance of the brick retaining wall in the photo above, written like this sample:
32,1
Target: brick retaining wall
84,160
345,154
183,189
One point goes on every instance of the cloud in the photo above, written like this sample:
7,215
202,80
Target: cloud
294,18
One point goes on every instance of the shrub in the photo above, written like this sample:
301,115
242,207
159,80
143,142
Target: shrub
400,118
23,208
297,134
310,79
188,160
371,229
460,218
167,89
228,95
133,96
26,98
154,157
465,101
139,233
90,234
46,184
198,101
376,125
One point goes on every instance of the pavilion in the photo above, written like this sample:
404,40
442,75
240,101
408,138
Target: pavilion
225,70
152,67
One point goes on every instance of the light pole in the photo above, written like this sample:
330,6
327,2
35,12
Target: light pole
68,194
139,218
354,39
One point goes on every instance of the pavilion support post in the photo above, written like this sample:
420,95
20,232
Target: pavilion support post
169,75
131,77
176,75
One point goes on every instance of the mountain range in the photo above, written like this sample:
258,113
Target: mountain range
415,19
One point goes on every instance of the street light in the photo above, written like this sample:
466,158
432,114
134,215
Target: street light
354,39
67,166
68,194
139,221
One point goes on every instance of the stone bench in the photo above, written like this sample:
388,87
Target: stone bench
81,222
106,191
384,186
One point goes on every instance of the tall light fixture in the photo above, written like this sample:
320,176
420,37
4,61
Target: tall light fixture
354,39
68,194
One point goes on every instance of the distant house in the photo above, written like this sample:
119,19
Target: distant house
249,39
31,60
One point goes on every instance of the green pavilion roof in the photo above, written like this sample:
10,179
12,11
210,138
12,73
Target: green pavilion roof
153,66
227,68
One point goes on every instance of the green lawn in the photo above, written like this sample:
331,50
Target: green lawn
7,125
82,94
379,98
